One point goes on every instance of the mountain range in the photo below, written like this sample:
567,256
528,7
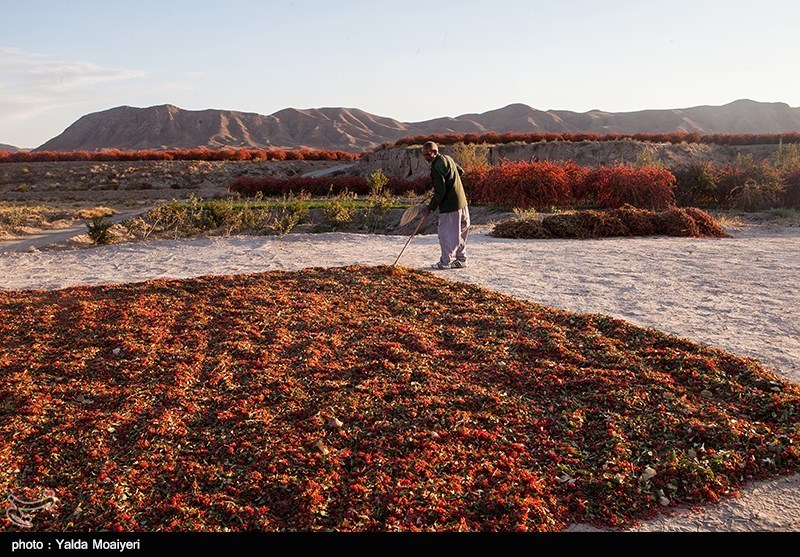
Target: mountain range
354,130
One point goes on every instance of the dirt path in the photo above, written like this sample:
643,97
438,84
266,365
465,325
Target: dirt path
332,170
48,237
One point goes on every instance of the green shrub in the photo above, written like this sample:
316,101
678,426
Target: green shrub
471,156
740,184
340,210
374,211
378,203
216,213
791,191
646,158
100,230
752,196
786,159
11,216
338,213
176,218
290,211
696,184
377,182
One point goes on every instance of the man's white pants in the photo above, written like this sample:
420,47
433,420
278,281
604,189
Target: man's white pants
453,232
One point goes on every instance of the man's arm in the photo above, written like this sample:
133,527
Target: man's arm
439,189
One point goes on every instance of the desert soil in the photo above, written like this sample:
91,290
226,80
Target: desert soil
122,185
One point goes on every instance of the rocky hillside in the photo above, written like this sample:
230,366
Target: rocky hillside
169,127
354,130
4,147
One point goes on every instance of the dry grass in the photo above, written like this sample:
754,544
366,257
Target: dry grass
786,217
776,216
728,218
17,219
95,212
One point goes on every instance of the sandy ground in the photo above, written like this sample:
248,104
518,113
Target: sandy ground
740,294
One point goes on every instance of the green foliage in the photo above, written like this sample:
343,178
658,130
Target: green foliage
789,215
99,230
748,185
225,216
474,159
696,184
377,183
471,156
378,203
11,216
289,212
251,216
217,212
168,218
525,213
340,210
752,196
646,158
787,158
21,217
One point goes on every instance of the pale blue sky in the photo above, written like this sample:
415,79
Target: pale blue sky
411,60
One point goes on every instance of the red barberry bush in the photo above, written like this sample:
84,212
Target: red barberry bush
646,188
522,185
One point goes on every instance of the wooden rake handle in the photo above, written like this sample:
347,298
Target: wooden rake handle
409,240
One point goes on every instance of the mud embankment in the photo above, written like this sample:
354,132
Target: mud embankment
407,162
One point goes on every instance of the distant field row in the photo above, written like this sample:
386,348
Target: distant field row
492,138
109,155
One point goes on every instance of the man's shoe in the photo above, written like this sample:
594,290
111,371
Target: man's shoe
458,264
440,266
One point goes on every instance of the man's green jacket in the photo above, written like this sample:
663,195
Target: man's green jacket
448,191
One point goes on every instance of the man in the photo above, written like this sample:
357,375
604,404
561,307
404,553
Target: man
451,202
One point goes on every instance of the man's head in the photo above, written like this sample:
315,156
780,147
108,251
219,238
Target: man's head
430,150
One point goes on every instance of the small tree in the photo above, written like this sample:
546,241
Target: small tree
471,157
377,183
379,201
646,158
340,210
